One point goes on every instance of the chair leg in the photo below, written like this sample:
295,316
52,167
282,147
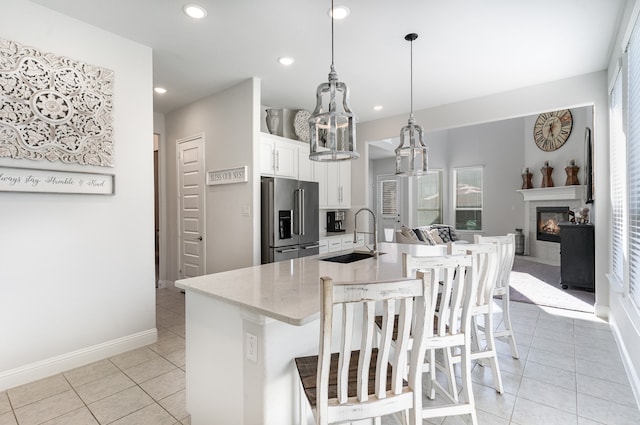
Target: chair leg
451,374
475,341
431,389
467,389
508,326
491,348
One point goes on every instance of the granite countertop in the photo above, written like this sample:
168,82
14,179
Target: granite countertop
289,291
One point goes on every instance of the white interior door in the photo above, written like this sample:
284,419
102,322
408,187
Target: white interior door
191,181
389,202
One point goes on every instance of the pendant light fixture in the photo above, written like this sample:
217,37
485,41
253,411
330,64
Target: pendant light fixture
411,159
332,125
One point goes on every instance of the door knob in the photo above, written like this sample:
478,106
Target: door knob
199,238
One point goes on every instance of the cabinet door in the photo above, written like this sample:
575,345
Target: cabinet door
333,185
345,184
267,164
320,176
347,242
305,168
286,159
339,184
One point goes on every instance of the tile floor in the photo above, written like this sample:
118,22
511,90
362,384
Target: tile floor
145,386
569,372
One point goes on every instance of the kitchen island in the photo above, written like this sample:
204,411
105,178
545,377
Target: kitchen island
244,328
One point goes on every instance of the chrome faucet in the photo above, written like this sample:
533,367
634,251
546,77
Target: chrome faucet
373,251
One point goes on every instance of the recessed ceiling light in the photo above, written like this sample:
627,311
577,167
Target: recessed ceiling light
286,60
378,108
160,90
339,12
194,11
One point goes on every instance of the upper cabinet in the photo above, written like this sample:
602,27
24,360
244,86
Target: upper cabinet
334,179
278,156
282,157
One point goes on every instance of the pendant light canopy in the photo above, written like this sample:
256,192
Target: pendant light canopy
411,158
332,125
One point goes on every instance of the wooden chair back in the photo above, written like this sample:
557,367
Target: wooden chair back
379,385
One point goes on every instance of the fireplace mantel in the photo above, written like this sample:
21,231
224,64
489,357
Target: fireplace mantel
576,192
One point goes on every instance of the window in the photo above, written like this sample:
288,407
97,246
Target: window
633,165
618,183
468,198
389,197
429,198
625,174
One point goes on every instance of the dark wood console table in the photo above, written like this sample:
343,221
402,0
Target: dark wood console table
577,256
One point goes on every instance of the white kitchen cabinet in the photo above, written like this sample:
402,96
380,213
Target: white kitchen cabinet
347,242
320,176
335,244
305,166
278,156
338,182
324,246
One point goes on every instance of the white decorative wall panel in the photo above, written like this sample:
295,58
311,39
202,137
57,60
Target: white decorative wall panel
54,108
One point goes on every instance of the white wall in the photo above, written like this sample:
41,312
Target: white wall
585,90
76,271
230,123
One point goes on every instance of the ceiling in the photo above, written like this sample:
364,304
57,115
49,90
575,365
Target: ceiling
465,49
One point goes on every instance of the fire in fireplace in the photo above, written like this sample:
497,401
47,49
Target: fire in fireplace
548,220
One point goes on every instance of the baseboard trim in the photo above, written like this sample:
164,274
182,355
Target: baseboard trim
166,284
632,373
44,368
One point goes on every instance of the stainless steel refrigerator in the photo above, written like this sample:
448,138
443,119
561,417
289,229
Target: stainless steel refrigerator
290,227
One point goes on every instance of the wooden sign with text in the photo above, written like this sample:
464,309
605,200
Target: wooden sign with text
53,181
232,175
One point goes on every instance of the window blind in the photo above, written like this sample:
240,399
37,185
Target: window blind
389,190
618,167
633,165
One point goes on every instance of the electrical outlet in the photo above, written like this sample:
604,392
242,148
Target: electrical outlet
251,343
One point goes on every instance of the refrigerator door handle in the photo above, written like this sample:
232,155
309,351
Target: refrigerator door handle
310,246
301,201
287,250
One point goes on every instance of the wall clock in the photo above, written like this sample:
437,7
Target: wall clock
552,129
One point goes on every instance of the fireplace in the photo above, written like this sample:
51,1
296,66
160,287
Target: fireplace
547,222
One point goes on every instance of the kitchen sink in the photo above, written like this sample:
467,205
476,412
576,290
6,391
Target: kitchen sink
350,258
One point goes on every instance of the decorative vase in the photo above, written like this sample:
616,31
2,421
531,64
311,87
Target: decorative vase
572,175
526,180
547,181
519,236
273,120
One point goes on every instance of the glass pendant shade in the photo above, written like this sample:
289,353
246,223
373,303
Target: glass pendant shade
411,153
332,125
412,157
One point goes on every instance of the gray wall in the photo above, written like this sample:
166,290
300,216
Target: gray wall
580,91
497,147
229,122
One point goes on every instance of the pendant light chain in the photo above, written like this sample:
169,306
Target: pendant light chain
411,72
332,130
332,64
411,157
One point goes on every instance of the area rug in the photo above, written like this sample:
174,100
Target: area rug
538,283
